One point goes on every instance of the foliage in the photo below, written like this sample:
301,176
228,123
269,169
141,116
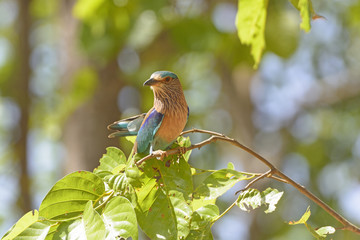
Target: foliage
159,196
320,233
251,21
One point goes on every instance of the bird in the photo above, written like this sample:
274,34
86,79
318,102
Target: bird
157,129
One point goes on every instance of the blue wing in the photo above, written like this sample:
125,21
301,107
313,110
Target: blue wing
127,127
148,129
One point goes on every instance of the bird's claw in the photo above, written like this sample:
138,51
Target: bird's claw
182,150
162,154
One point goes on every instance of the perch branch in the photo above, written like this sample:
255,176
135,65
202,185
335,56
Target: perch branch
272,173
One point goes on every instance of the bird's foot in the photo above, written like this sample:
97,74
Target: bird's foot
162,154
182,150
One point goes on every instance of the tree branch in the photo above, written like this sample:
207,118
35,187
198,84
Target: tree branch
347,225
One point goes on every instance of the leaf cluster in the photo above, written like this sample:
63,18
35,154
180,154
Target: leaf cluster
117,197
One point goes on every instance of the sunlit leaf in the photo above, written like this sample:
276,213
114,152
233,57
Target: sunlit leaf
271,197
249,198
323,231
304,6
112,162
94,226
69,230
68,196
131,139
120,219
217,183
230,165
303,219
254,198
28,227
250,23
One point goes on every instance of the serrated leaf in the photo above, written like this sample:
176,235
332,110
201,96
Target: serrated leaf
303,219
120,219
29,227
254,198
94,226
68,196
113,161
217,183
272,197
250,22
323,231
249,198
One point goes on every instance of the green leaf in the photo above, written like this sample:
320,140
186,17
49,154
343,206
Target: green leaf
184,142
303,219
29,227
85,9
182,212
230,165
201,222
112,162
254,198
249,198
131,139
89,226
272,197
250,22
323,231
94,226
68,196
120,219
159,221
163,201
304,6
217,183
70,230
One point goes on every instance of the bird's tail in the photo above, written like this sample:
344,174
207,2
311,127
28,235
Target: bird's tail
126,127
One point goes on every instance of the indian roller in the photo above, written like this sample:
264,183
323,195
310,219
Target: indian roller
161,125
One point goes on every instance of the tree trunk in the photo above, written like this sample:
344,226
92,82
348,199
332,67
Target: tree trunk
85,133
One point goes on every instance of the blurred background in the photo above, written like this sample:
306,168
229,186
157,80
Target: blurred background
69,68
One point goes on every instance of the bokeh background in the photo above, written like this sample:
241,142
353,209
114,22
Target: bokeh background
69,68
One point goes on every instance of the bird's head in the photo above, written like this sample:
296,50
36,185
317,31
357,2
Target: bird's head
161,80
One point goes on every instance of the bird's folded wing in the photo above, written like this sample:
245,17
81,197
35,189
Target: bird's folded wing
147,131
127,127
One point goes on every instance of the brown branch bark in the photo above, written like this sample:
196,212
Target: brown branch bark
347,225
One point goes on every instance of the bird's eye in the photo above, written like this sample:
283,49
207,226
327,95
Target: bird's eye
167,79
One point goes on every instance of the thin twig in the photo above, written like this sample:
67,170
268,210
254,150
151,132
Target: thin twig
273,171
265,174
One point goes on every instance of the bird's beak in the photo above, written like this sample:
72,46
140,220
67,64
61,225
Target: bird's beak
150,82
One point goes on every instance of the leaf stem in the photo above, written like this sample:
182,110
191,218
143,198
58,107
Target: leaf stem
223,213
